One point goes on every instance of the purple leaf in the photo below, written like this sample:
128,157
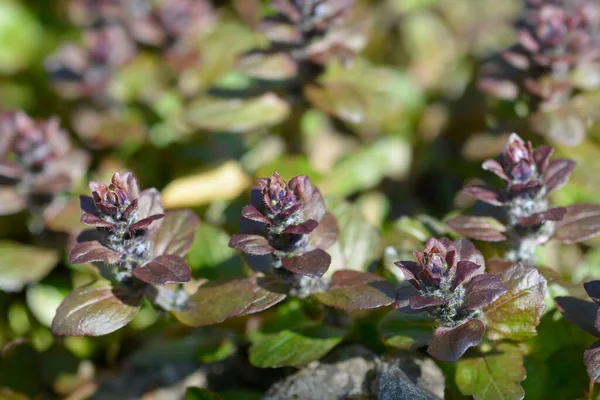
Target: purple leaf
268,291
484,194
449,344
94,310
593,290
516,314
144,223
353,290
541,155
313,264
251,244
93,251
133,205
149,203
481,228
579,312
215,302
495,167
253,214
175,234
581,222
554,214
164,269
466,251
302,229
326,233
93,220
411,271
421,303
591,358
483,290
87,204
466,270
10,171
557,174
11,202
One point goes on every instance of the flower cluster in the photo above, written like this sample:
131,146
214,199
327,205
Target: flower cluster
556,56
454,290
116,31
528,220
289,223
37,162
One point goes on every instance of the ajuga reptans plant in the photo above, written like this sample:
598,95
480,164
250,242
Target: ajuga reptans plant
454,289
137,248
523,217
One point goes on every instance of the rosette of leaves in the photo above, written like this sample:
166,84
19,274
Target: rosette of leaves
285,232
137,247
586,316
453,289
523,217
37,163
303,35
555,60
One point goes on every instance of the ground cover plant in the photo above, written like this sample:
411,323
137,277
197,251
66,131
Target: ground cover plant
309,199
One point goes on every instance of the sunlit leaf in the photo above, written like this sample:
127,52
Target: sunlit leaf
215,302
176,233
481,228
450,343
11,201
516,314
581,222
493,376
43,300
94,310
22,264
164,269
296,347
268,291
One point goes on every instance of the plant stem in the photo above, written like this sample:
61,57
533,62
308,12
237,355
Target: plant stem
591,390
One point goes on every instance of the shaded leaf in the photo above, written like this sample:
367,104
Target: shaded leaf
23,264
144,223
557,173
268,291
149,203
252,213
554,214
92,251
406,331
313,264
207,186
484,194
449,344
481,228
11,202
327,232
94,310
175,234
238,116
164,269
579,312
277,66
93,220
593,290
196,393
215,302
302,229
251,244
482,290
581,222
494,376
296,347
353,290
422,303
591,358
516,314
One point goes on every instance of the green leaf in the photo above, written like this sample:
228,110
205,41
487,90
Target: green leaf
388,157
21,35
406,331
353,290
516,314
358,242
296,347
210,251
238,116
215,302
22,264
195,393
493,376
43,301
93,310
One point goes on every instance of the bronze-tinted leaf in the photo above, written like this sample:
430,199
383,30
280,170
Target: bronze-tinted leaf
516,314
252,213
353,290
541,155
554,214
93,310
10,171
591,357
421,303
217,301
93,251
326,234
268,291
557,173
164,269
176,233
466,270
302,229
313,264
93,220
251,244
581,222
495,167
144,223
481,228
484,194
482,290
11,202
149,203
449,344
